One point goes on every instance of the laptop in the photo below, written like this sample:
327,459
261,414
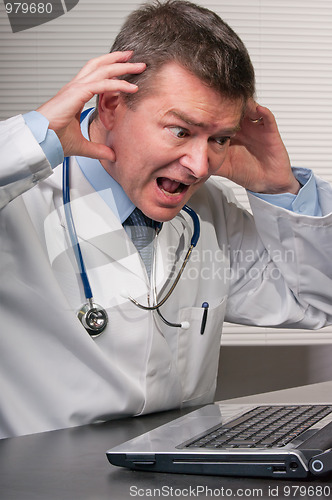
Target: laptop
286,441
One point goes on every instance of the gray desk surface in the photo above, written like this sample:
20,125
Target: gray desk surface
71,464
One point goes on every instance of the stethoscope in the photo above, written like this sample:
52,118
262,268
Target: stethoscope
93,317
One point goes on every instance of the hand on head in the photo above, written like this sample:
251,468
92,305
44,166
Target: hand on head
257,158
63,110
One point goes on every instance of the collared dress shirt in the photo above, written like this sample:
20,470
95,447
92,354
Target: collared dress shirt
305,202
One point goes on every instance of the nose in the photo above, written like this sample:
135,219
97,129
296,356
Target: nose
196,159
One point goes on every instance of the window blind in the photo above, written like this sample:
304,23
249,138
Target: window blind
290,44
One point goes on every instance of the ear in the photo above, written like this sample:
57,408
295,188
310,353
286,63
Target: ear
107,105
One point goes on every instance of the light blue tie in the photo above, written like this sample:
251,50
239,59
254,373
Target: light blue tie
141,229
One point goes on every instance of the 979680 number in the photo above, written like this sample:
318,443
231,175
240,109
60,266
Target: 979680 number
28,8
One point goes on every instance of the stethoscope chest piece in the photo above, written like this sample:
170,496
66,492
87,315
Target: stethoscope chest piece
94,319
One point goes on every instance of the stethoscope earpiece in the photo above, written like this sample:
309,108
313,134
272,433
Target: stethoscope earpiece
185,325
94,318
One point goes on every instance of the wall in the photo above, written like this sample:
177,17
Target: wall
245,370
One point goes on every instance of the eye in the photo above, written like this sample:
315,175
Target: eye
179,132
221,141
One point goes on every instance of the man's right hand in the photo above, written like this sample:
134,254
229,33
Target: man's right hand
64,109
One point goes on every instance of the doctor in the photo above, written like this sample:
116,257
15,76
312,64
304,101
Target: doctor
162,127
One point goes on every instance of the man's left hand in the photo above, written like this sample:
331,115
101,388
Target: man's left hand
257,158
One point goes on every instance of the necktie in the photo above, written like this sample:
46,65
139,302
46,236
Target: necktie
141,230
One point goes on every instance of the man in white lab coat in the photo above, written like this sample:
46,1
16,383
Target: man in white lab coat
159,141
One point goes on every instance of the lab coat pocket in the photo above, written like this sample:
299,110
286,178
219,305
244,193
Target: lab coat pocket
198,354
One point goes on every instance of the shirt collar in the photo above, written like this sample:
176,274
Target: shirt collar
110,190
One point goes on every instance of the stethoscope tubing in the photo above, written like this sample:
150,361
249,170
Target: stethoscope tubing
90,312
78,252
72,230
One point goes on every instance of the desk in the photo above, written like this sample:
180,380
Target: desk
70,464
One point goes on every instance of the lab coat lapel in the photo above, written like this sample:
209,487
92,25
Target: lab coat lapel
96,225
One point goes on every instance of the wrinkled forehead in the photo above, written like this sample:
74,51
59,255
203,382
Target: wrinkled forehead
176,92
161,81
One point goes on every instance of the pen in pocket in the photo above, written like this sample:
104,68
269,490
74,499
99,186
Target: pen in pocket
205,306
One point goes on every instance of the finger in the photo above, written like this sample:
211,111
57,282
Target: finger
87,91
113,71
251,109
111,58
267,115
97,151
253,114
258,116
81,93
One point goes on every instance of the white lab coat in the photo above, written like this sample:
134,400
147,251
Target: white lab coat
53,375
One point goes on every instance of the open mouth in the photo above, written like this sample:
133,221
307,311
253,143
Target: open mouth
171,187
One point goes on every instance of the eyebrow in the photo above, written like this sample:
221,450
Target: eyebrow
185,118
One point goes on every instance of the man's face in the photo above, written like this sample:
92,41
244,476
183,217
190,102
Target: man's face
170,143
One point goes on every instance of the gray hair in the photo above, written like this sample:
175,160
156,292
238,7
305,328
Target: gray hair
194,37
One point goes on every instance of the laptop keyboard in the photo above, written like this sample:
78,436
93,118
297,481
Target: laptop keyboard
263,427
